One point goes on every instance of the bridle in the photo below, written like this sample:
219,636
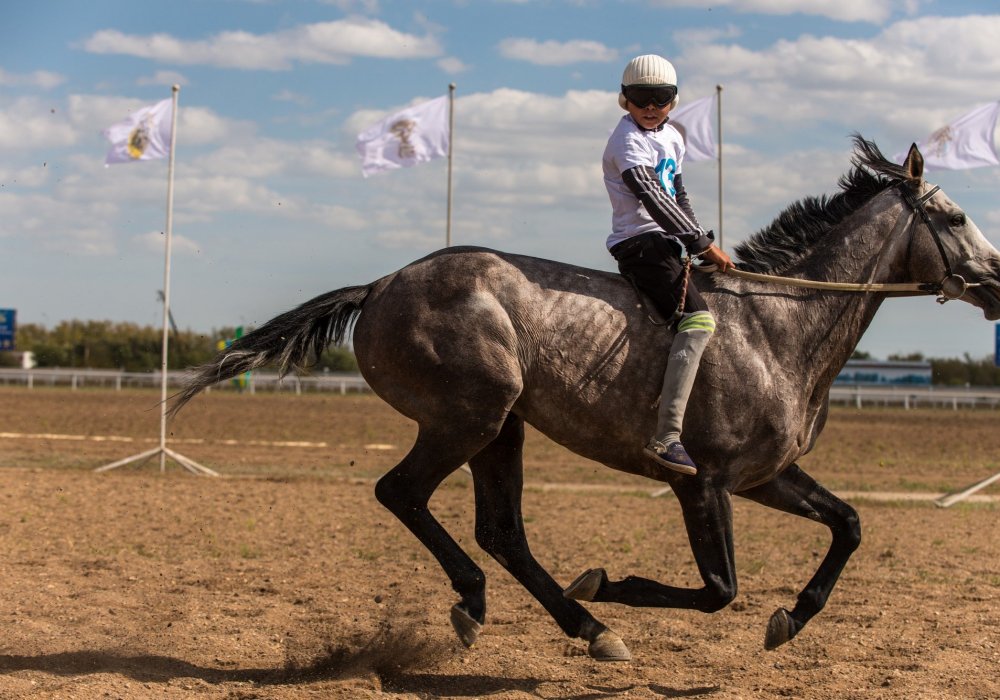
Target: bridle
952,286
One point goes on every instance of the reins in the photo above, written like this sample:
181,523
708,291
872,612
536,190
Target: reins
952,286
864,287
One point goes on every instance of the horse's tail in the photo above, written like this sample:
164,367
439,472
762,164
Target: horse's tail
289,340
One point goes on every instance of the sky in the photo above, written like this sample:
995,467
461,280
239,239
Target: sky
270,208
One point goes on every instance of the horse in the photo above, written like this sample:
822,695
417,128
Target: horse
472,343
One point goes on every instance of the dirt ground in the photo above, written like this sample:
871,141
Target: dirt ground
285,578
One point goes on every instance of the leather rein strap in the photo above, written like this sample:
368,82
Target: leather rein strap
951,287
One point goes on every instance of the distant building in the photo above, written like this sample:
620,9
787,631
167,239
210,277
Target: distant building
885,372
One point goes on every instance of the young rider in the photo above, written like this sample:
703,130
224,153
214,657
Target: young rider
652,225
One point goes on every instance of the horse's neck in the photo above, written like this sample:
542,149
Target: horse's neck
830,324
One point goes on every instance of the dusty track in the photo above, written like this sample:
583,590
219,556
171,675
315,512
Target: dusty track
287,580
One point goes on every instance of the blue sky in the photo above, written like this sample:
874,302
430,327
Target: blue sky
270,206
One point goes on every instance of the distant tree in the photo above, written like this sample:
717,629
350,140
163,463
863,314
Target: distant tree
861,355
337,358
133,348
911,357
948,371
965,371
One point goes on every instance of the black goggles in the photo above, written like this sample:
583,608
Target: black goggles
644,95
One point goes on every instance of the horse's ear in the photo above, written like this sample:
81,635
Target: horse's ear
914,163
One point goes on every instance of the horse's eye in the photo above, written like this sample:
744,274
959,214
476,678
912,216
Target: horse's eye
958,220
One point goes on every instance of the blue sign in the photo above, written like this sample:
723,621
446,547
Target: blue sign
8,325
996,351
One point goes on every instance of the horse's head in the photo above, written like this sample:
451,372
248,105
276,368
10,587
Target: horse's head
947,248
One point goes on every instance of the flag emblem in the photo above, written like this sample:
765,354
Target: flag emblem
402,131
940,140
137,141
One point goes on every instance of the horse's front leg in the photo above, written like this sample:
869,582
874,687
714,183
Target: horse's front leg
708,518
794,491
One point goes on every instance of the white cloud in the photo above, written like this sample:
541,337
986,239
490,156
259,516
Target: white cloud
367,6
29,123
56,225
912,77
334,42
259,158
153,242
294,97
163,77
452,65
874,11
40,78
696,37
30,177
556,53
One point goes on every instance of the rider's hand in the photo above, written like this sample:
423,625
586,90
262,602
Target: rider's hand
717,256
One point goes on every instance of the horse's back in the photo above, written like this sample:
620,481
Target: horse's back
477,331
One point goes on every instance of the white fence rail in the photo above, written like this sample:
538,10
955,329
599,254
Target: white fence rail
258,381
859,396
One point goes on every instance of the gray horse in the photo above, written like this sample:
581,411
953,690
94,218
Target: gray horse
473,343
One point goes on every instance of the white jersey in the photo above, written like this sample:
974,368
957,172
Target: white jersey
630,146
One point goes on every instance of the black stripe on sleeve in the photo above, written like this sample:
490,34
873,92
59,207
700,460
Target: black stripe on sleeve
664,209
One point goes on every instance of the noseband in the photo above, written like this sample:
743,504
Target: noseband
952,286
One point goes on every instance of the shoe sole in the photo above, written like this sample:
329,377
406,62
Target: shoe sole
679,468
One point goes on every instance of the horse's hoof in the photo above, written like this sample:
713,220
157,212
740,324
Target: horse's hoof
466,628
586,585
608,646
780,628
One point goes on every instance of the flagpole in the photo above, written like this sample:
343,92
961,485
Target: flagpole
718,114
166,280
162,450
451,141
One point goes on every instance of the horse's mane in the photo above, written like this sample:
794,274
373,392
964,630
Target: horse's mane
788,238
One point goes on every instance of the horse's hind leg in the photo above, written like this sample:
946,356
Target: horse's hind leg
498,474
406,490
794,491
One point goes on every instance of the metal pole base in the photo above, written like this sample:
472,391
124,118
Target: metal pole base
949,499
163,452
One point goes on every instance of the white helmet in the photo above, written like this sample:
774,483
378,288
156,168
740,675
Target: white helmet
651,70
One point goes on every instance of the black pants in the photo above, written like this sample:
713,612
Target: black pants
653,263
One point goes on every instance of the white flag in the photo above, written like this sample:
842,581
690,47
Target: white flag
696,122
413,135
144,135
965,143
